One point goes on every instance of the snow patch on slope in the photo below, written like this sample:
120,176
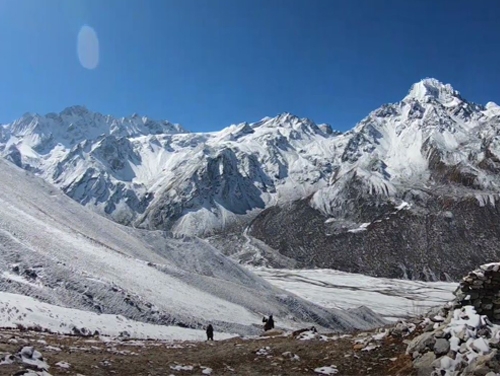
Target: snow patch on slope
21,310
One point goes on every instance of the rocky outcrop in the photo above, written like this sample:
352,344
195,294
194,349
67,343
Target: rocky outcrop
464,343
29,358
461,340
481,289
437,238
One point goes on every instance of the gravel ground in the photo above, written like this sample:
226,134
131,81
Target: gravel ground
279,355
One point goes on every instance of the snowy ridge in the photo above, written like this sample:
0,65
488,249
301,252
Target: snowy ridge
156,175
412,144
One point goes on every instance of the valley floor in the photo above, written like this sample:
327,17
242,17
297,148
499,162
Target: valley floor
356,354
282,355
391,298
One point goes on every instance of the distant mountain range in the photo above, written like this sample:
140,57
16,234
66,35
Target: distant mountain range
411,191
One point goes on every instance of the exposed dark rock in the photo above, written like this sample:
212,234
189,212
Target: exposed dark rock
480,288
419,243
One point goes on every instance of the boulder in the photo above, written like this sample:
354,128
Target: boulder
420,343
482,365
423,364
441,347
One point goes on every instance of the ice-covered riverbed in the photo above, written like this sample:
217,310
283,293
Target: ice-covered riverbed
392,298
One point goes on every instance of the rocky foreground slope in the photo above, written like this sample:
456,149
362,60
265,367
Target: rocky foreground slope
281,355
411,191
463,337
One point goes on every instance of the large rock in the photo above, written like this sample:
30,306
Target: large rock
420,343
441,347
423,364
483,365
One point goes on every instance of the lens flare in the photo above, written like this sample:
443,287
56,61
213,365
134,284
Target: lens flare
88,47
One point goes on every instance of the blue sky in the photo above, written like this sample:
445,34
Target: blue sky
209,63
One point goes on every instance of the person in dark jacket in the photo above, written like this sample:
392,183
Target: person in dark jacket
269,323
210,332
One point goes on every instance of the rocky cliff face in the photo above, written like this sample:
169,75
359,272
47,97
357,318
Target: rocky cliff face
438,240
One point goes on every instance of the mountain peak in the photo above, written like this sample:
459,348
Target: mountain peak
75,110
328,130
432,89
284,119
287,117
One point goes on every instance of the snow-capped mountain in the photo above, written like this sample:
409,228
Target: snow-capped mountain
414,193
156,175
88,155
432,137
310,191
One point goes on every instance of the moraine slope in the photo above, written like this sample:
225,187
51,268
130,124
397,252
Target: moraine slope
54,250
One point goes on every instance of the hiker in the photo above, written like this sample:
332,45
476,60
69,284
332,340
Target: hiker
269,323
210,332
